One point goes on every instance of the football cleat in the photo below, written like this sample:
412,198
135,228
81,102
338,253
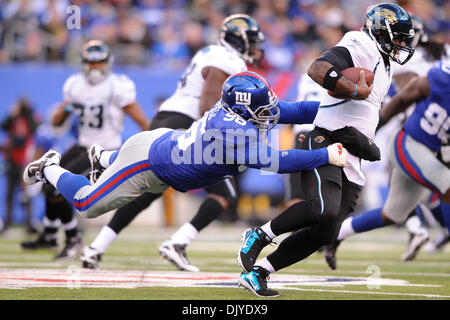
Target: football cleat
94,153
256,282
176,254
43,241
71,249
90,258
442,241
329,253
416,241
253,241
34,171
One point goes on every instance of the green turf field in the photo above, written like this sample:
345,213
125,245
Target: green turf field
363,261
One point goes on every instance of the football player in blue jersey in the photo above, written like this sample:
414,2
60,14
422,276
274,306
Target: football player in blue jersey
419,154
224,142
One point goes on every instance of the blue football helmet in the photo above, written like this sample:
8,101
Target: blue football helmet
242,33
387,22
96,51
250,96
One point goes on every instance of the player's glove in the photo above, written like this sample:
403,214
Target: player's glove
337,154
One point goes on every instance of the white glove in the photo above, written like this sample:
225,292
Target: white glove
337,154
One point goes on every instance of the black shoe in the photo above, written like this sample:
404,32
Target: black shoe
32,230
256,282
44,241
329,253
253,241
72,248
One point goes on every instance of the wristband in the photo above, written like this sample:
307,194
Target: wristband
355,92
331,77
68,108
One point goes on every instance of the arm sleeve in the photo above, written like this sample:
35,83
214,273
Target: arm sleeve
124,92
255,154
224,60
300,112
339,57
67,88
286,161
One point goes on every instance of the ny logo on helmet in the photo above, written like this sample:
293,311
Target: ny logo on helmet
243,98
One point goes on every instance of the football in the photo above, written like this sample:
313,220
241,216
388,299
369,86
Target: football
353,75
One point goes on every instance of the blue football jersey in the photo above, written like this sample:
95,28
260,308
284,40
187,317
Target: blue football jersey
222,144
430,121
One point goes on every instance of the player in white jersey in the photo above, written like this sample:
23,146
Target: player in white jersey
332,194
198,89
101,100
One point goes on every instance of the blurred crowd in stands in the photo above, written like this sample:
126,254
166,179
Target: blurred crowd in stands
168,32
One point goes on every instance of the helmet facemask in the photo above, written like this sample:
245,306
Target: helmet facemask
267,116
397,45
390,26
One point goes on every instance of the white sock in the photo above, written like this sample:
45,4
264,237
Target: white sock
104,158
72,224
185,234
53,173
46,222
268,230
265,264
104,239
414,225
346,229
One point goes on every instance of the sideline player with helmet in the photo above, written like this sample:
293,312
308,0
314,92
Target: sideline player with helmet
198,89
224,142
101,99
332,192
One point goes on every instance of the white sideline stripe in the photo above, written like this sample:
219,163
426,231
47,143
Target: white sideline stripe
75,276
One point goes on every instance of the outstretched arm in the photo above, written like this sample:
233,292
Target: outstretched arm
138,115
417,89
212,90
262,156
299,112
61,114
